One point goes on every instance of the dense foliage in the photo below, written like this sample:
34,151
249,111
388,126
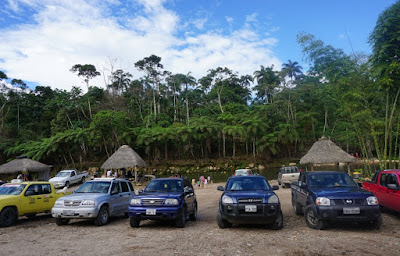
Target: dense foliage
350,98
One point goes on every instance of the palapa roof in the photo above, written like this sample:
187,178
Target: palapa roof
324,151
124,157
23,164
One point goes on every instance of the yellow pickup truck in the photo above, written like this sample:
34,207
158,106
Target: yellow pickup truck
25,199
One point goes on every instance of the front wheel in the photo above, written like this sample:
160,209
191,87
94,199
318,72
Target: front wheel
83,180
312,220
193,216
221,222
62,222
134,222
8,217
181,221
67,184
297,207
376,224
278,223
103,216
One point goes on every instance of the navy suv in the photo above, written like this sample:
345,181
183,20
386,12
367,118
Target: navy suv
164,199
249,200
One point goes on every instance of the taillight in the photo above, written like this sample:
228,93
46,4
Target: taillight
249,172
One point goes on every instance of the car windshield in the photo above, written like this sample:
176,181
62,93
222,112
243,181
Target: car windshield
164,186
331,180
63,174
11,189
247,184
94,187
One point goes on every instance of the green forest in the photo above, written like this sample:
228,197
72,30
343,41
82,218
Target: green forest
352,98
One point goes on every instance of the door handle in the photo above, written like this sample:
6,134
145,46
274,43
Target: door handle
38,198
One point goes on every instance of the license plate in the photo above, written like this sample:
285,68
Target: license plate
69,213
354,210
250,208
150,211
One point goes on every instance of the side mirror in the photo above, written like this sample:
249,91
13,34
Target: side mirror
188,190
220,188
393,186
275,187
359,184
140,191
29,193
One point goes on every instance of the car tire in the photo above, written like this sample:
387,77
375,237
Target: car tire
297,208
67,184
313,221
221,222
83,180
193,216
134,222
376,224
8,217
278,222
181,220
62,222
102,217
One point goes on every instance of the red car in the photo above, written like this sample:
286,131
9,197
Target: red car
385,186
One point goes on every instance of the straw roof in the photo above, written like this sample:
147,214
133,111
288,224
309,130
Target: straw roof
124,157
23,164
324,151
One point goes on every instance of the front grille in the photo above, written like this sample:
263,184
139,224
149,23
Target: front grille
250,200
344,201
72,202
154,202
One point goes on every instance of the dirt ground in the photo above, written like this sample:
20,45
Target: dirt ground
41,236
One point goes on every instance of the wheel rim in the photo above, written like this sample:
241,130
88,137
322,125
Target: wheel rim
311,218
279,220
104,216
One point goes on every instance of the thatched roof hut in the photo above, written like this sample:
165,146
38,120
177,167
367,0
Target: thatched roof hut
124,157
324,151
23,164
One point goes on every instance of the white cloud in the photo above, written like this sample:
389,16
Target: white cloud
84,32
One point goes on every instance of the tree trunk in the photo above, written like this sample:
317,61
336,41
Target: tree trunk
187,106
223,144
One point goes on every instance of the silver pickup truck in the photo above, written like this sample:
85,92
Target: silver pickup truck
97,199
287,175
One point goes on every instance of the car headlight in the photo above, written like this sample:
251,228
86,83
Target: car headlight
322,201
171,201
227,200
136,201
372,200
59,202
273,199
87,202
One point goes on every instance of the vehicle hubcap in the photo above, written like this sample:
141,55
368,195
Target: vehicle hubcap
311,218
104,216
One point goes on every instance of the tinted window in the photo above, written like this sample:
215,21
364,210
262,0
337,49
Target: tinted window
331,180
124,187
164,186
392,179
247,184
130,186
115,188
46,188
34,189
383,180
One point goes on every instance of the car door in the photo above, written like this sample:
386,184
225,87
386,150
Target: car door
48,198
73,177
302,192
189,195
126,195
115,198
32,199
392,200
382,189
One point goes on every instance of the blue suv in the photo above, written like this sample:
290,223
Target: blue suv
249,200
164,199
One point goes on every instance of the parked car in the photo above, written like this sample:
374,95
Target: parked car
243,172
287,175
333,196
97,199
164,199
25,199
385,186
249,200
66,178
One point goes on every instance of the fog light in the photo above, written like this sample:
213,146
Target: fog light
229,207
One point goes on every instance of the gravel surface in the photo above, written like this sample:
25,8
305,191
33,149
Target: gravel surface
41,236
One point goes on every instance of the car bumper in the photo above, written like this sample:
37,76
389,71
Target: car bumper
77,213
166,213
59,185
235,213
367,213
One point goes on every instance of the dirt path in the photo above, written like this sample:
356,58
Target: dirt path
41,236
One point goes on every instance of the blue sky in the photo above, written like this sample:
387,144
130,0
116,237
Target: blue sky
42,39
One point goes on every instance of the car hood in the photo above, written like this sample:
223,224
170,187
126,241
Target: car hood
4,197
249,194
159,195
342,193
84,196
55,179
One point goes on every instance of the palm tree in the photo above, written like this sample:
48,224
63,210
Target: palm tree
292,69
188,80
267,80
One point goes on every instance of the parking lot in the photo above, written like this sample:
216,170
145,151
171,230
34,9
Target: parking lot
41,236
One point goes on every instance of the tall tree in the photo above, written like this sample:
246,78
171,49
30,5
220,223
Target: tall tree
292,70
267,81
87,71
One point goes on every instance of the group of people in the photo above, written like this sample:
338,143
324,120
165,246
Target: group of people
203,181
